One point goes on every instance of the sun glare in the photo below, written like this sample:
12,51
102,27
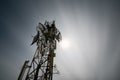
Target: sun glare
65,43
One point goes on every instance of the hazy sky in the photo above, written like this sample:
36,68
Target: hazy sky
92,28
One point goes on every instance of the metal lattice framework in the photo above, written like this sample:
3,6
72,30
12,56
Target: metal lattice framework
41,67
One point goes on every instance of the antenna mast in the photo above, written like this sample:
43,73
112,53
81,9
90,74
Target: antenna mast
41,67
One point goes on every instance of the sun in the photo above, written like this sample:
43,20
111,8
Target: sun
65,43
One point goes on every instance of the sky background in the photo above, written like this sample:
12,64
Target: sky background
92,27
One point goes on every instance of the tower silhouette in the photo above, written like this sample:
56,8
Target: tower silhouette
41,66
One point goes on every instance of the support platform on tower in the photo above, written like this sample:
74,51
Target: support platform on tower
41,67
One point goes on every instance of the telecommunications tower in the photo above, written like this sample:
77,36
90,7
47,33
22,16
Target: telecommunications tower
41,66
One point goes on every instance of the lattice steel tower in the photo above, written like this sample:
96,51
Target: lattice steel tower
41,67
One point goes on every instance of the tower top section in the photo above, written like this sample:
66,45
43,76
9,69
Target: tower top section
47,33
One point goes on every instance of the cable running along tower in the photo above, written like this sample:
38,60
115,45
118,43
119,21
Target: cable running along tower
41,67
